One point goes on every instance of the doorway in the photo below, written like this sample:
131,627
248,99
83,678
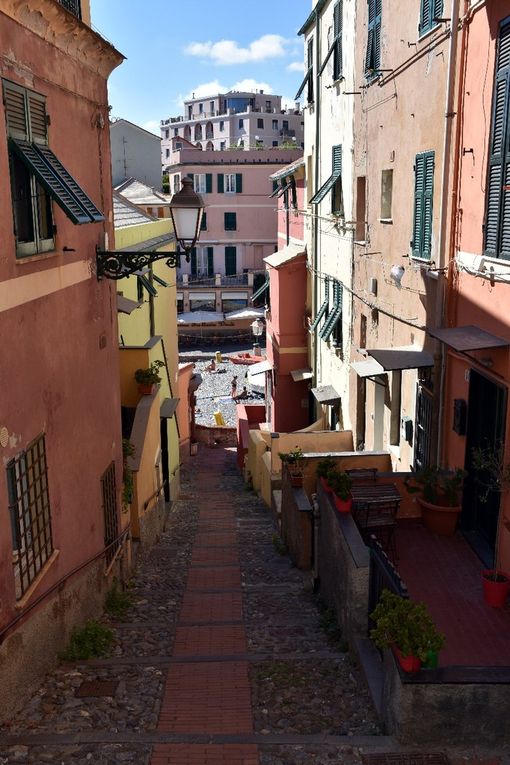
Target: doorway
164,457
485,430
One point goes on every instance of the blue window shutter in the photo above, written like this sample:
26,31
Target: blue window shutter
497,215
437,10
208,183
230,261
194,261
210,261
239,183
423,200
221,185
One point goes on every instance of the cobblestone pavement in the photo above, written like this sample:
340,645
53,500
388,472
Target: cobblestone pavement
222,658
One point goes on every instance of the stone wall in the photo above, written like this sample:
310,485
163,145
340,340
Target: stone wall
296,523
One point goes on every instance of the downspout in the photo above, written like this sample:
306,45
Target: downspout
445,257
315,219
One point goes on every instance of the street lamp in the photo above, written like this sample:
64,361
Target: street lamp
257,328
186,210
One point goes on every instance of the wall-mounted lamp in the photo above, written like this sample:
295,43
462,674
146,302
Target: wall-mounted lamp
186,209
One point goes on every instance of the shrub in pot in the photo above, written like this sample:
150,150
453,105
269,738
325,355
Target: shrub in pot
294,462
147,378
323,468
440,491
340,484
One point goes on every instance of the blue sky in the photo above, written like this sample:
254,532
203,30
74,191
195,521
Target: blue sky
176,48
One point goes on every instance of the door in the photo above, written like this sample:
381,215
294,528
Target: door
486,430
164,457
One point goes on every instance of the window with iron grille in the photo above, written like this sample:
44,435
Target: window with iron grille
110,515
73,6
29,509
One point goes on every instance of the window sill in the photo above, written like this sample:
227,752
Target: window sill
386,220
23,601
36,257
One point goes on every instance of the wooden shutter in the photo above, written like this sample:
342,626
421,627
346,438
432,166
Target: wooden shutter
428,198
210,261
208,183
373,52
230,261
497,223
193,261
203,222
15,114
37,117
221,183
239,183
337,34
423,199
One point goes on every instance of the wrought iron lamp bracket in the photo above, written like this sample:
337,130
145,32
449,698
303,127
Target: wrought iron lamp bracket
118,265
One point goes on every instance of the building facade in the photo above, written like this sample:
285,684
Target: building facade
233,120
135,154
61,526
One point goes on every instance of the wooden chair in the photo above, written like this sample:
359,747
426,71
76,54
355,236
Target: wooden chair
363,474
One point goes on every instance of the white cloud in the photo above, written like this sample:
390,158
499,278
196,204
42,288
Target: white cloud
152,126
228,52
296,66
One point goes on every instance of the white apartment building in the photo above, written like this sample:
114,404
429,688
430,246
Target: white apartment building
233,120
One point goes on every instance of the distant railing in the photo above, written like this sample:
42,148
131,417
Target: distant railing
73,6
196,280
383,576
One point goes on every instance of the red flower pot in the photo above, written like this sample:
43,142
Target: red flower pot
407,663
495,591
343,505
146,389
325,485
441,519
296,481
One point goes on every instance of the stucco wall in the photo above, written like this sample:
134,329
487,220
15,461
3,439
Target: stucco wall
135,154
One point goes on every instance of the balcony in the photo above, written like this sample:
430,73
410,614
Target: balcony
287,133
218,280
73,6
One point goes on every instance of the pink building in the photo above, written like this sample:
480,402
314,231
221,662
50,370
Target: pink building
238,227
60,435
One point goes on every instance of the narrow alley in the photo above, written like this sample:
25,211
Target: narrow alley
224,657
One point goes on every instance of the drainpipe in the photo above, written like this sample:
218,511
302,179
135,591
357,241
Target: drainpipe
444,255
315,220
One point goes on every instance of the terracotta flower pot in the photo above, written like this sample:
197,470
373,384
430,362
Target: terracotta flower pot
495,591
325,485
407,663
440,519
343,505
146,389
296,480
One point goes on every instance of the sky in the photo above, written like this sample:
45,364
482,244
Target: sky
174,49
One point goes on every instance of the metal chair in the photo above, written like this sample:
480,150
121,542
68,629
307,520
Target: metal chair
363,474
380,520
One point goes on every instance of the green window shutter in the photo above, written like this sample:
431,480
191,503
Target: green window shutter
373,52
208,183
230,220
423,200
239,183
210,261
497,222
37,117
193,261
337,33
221,183
203,222
230,261
58,169
322,310
307,76
336,172
336,314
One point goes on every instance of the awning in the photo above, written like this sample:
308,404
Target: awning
301,374
168,408
368,368
468,338
125,305
261,290
261,366
285,255
326,394
393,359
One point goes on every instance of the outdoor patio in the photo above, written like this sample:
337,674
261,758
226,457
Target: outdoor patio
445,573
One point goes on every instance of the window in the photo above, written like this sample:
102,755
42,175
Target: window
167,133
233,304
230,183
190,111
222,145
222,126
29,509
423,197
260,123
241,123
275,124
334,316
230,221
203,222
309,63
230,261
178,145
268,106
202,182
361,208
373,51
200,108
275,143
211,106
37,176
396,387
430,11
176,132
333,182
180,303
497,213
167,153
285,124
73,6
386,194
337,41
177,183
202,264
110,514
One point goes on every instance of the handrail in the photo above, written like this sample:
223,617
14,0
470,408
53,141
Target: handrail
154,494
59,584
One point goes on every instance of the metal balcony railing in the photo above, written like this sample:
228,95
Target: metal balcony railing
73,6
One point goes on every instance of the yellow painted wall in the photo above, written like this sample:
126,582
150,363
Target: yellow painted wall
146,440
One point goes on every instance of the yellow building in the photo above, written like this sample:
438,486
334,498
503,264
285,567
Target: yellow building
148,333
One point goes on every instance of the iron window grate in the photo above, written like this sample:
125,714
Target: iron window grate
111,522
29,509
73,6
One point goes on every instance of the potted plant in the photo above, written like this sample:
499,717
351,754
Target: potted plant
492,475
323,468
407,628
294,462
340,484
439,498
148,378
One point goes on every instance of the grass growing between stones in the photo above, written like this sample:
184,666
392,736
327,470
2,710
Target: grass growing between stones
118,602
91,641
280,547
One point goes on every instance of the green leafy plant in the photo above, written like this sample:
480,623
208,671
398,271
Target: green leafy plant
437,485
405,624
340,483
324,466
88,642
117,602
492,473
329,625
128,450
293,459
151,375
